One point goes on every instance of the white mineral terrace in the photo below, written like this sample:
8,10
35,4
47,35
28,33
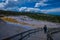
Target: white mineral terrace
35,23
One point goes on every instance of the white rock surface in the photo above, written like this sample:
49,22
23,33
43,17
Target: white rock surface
37,23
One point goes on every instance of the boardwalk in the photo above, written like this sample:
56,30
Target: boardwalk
38,36
34,36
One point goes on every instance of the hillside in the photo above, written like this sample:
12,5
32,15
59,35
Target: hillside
38,16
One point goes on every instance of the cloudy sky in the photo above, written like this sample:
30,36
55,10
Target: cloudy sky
45,6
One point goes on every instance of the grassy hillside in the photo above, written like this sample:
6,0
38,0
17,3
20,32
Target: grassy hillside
38,16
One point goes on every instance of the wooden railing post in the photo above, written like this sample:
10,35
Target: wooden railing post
21,35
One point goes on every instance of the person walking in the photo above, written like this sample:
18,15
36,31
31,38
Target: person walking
45,29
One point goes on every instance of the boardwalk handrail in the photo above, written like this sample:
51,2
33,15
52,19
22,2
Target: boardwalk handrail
22,33
49,36
34,31
50,33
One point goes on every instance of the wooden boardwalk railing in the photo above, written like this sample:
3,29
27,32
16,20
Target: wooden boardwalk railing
29,32
51,32
24,34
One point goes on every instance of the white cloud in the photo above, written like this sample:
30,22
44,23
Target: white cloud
22,8
41,3
43,0
2,5
32,9
39,10
51,10
29,9
15,0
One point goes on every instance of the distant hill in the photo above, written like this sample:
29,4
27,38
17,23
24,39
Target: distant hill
38,16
